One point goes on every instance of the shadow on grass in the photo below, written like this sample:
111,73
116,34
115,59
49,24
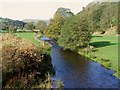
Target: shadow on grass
102,44
97,36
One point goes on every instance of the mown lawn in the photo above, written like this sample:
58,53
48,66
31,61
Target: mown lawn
106,48
29,36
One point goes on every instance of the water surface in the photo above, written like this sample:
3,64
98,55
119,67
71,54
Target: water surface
76,71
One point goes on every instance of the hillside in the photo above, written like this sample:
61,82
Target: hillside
102,16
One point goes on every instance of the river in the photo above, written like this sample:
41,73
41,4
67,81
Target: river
77,71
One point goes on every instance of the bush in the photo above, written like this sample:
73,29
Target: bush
23,63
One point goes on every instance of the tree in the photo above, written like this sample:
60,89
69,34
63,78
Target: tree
54,28
5,23
96,15
12,28
75,33
29,26
41,25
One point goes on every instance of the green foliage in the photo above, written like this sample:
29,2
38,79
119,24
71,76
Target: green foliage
96,15
65,12
54,28
12,29
118,30
5,23
29,26
110,15
41,25
102,16
75,33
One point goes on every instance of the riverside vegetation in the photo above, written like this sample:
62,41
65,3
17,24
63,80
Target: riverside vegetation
26,63
78,32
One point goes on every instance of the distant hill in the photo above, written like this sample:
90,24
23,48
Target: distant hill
34,20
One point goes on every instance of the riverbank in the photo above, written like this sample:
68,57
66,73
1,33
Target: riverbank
105,52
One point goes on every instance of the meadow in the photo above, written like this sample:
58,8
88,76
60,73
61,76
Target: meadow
105,51
29,36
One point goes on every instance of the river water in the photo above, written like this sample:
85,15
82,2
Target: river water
76,71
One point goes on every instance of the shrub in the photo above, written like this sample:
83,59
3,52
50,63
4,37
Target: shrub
23,63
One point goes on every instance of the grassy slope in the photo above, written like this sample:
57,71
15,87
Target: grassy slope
106,47
29,36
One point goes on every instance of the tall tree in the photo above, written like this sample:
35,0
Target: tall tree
41,25
29,26
54,28
75,33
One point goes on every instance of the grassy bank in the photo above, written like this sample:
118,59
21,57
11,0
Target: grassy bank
29,36
105,51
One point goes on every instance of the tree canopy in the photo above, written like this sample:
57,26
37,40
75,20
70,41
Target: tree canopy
29,26
54,28
5,23
75,33
41,25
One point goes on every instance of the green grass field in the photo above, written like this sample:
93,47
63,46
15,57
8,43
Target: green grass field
29,36
106,51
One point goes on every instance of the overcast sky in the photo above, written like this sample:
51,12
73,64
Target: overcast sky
37,10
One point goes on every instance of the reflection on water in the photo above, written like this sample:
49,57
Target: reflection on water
78,72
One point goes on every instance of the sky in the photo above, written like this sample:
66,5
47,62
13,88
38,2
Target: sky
37,10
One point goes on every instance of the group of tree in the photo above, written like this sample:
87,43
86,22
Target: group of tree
54,28
74,31
41,26
71,31
9,24
13,25
104,16
29,26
